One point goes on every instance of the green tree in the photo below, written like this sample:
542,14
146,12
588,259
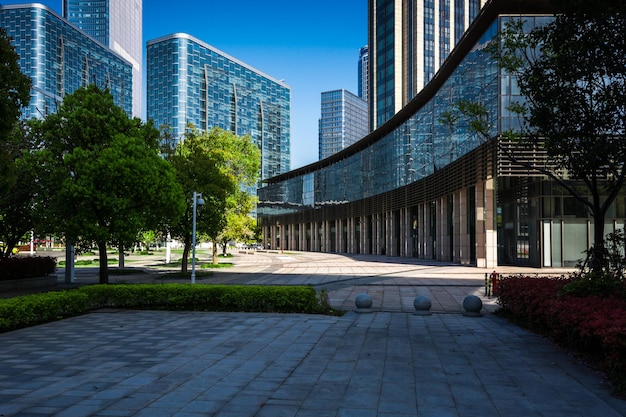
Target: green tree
105,178
16,189
571,75
17,201
240,225
216,164
14,86
242,161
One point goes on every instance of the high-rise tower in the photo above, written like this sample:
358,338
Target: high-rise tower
363,73
408,42
116,24
189,81
59,59
343,121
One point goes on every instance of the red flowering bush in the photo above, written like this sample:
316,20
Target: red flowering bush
591,326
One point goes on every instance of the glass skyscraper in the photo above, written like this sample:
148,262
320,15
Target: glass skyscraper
118,25
363,73
408,42
189,81
422,188
60,58
343,122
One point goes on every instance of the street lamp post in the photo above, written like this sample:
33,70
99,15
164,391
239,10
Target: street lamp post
197,201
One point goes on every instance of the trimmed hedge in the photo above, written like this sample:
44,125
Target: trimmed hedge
42,308
27,267
593,327
246,298
29,310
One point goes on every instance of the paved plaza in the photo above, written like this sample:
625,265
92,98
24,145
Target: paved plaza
387,362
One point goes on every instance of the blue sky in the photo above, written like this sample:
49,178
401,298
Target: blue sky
312,45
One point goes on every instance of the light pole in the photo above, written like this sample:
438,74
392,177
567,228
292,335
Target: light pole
197,201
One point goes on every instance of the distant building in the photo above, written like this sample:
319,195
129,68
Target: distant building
363,73
118,25
343,121
189,81
60,58
408,42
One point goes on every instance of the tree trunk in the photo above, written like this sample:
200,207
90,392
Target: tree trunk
121,260
598,251
104,266
185,261
215,261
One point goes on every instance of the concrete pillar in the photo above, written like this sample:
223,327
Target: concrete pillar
463,236
350,242
425,231
491,231
486,227
364,240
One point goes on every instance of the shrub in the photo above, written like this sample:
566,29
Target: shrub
41,308
605,284
30,310
592,326
286,299
26,267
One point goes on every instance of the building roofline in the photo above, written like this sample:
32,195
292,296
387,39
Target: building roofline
181,35
487,15
28,6
67,22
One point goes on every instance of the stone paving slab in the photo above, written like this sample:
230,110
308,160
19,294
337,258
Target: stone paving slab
389,362
191,364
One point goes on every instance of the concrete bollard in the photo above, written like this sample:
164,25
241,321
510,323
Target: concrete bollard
363,303
422,305
472,306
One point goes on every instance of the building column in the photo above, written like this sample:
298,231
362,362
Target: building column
423,232
441,229
293,237
364,239
350,237
265,234
431,230
314,238
339,238
457,231
486,229
462,237
380,235
325,238
404,232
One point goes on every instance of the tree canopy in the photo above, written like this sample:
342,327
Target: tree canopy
105,179
571,74
14,85
14,94
19,197
216,164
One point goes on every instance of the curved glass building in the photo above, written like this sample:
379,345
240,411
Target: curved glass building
421,186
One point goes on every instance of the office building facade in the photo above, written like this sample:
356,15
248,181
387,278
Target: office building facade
363,73
344,121
418,188
189,81
118,25
60,58
408,42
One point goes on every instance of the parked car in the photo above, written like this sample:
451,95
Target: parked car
255,246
